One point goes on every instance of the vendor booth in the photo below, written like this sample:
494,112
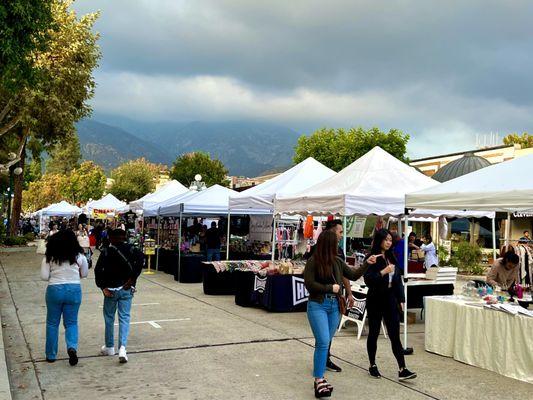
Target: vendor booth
168,191
278,290
109,204
483,331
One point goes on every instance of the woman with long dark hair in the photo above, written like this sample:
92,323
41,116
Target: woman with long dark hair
323,279
385,293
63,266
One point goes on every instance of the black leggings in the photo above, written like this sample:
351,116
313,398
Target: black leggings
392,321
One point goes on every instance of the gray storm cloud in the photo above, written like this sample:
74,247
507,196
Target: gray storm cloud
441,71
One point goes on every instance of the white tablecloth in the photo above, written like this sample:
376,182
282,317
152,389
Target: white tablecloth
489,339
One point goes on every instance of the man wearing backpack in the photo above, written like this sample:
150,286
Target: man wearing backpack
116,273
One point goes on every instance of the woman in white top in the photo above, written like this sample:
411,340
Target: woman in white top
63,266
430,260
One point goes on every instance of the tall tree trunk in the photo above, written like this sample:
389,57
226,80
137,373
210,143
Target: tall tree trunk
18,185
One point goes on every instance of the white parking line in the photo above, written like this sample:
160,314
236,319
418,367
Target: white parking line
141,304
155,324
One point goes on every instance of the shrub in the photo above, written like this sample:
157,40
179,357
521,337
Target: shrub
30,236
15,241
444,255
467,258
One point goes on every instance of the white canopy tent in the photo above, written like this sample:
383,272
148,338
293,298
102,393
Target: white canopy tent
170,206
61,209
108,202
374,184
212,201
261,197
504,187
166,192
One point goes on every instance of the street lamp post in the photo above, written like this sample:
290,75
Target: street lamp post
13,170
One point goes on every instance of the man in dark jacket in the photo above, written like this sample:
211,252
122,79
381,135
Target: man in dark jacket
116,273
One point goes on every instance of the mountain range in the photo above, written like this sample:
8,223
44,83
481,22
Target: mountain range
246,148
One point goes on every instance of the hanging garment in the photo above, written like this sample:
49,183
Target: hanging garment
308,229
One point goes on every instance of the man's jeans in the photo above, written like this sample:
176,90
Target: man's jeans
122,299
62,300
213,254
324,320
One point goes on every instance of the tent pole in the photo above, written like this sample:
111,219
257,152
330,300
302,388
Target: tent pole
405,279
179,247
228,235
508,229
494,238
274,238
158,240
344,233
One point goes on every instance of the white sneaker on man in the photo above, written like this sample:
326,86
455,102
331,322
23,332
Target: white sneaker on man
107,351
122,356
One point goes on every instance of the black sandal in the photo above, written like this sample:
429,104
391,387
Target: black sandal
322,389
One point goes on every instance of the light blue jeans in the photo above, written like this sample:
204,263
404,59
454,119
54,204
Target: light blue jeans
324,320
62,300
122,300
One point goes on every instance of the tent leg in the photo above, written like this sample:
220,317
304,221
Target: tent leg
405,278
274,239
179,248
344,233
508,229
158,242
228,236
494,238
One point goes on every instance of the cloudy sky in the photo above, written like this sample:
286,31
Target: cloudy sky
443,72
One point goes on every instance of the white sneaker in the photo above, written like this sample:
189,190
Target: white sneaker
122,357
107,351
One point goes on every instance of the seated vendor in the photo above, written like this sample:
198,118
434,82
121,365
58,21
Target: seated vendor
504,272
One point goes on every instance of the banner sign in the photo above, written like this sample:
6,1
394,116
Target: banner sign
299,292
355,227
101,214
517,214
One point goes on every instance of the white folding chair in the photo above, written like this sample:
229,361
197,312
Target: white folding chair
359,318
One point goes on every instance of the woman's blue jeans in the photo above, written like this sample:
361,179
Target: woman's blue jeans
62,300
324,320
122,300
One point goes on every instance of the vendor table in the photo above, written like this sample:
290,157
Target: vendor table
217,283
485,338
191,268
285,293
415,267
249,288
418,289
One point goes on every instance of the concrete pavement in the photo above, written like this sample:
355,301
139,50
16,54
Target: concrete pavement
186,345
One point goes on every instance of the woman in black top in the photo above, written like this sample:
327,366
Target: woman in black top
385,291
323,279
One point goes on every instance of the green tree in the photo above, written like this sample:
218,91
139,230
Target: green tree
45,191
338,148
525,140
65,156
85,182
188,165
47,109
134,179
25,25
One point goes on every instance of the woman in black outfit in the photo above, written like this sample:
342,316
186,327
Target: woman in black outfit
385,292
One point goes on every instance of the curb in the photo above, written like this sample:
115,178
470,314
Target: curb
5,389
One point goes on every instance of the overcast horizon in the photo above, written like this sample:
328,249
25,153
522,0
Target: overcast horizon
442,73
